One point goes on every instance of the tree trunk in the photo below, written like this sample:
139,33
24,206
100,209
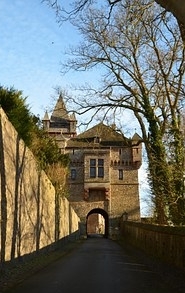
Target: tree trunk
177,8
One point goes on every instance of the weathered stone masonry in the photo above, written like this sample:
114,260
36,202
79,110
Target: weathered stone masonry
166,243
27,200
110,186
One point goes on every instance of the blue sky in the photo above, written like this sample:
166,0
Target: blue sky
32,48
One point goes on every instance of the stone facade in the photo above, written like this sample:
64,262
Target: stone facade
27,200
103,173
165,243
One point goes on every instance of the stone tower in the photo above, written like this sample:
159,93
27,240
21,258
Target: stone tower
103,171
61,125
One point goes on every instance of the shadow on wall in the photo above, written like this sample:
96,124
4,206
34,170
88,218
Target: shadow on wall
19,165
3,220
32,216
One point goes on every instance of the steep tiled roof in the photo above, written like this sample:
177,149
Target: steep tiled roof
106,133
99,135
60,111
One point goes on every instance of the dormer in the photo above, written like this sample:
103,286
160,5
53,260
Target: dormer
97,139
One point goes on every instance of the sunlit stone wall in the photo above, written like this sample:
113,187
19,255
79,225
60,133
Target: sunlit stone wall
27,199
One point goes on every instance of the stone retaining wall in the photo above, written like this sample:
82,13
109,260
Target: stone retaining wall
164,242
27,201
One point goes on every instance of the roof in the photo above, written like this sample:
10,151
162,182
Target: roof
46,116
60,111
136,137
99,135
73,117
106,133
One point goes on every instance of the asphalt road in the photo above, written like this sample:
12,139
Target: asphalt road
97,265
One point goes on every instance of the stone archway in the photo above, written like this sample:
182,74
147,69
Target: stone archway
96,224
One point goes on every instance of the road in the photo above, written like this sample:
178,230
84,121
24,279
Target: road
97,265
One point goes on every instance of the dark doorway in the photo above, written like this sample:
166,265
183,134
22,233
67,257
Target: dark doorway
97,223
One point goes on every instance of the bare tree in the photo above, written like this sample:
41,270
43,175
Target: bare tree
177,8
143,60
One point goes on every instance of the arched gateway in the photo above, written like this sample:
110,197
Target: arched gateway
97,222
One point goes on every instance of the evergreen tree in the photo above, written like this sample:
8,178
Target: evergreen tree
18,112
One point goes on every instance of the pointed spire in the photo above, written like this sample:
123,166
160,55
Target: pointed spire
46,121
46,116
73,117
60,110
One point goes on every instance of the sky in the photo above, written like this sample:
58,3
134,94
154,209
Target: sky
31,51
32,48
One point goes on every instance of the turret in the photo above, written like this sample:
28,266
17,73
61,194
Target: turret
46,121
137,150
73,123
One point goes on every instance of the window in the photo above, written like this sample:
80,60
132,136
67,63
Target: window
100,168
92,168
96,168
73,174
120,174
97,139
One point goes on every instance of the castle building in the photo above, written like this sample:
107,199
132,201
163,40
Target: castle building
61,125
103,177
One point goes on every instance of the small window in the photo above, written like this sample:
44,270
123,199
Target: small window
120,174
97,139
73,174
92,168
100,168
